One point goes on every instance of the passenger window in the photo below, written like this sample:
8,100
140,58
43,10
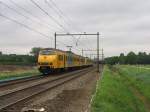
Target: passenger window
60,57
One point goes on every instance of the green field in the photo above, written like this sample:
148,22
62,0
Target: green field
18,73
123,89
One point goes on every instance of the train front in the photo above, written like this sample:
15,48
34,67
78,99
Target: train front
47,61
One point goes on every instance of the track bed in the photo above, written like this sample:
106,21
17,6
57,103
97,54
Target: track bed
19,94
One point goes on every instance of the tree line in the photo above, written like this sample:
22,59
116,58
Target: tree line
15,59
131,58
31,59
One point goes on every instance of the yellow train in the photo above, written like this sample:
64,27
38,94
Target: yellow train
50,60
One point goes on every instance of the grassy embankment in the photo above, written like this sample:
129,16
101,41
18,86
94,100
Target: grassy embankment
123,89
18,73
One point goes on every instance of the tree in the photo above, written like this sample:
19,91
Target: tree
112,60
143,58
122,58
131,58
35,51
148,59
1,53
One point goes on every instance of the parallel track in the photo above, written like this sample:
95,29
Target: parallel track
18,84
24,94
20,80
25,79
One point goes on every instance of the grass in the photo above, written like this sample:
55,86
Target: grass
139,77
19,73
115,95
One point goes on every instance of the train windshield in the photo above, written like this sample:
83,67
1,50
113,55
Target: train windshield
47,52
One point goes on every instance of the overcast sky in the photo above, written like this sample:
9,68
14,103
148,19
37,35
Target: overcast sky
124,25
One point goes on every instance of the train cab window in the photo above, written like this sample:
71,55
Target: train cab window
47,52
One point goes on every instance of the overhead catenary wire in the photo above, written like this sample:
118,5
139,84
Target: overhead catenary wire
26,26
61,14
28,12
51,7
29,18
13,9
45,12
58,13
29,28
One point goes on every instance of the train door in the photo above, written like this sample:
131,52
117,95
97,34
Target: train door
69,61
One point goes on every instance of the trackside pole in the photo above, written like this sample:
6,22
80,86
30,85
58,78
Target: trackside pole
55,40
98,52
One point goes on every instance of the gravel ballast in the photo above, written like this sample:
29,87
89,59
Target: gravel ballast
73,96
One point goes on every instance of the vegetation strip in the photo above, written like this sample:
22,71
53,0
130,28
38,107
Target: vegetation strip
136,85
6,76
134,89
142,58
115,95
139,77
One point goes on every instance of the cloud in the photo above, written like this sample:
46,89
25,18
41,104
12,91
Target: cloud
124,25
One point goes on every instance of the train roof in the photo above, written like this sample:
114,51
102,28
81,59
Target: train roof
53,49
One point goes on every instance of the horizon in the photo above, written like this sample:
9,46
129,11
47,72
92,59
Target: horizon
28,53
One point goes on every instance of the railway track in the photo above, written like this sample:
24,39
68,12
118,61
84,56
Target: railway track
16,85
25,79
20,80
23,94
